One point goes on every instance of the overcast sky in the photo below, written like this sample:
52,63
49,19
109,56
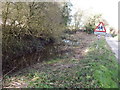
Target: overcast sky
108,8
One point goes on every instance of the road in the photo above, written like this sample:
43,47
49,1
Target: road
113,43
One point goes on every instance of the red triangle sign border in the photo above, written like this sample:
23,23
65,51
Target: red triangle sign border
98,26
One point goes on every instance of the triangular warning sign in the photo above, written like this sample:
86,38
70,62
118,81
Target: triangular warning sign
100,28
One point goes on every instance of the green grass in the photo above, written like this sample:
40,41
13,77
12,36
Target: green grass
52,61
104,64
99,69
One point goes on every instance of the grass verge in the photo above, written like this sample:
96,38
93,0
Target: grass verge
104,64
99,69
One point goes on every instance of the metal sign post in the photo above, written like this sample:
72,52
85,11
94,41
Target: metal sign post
98,36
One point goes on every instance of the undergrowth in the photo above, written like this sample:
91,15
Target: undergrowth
99,69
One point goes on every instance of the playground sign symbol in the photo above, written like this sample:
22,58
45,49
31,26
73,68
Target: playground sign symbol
100,29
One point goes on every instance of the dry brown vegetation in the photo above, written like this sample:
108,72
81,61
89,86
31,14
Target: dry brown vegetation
28,28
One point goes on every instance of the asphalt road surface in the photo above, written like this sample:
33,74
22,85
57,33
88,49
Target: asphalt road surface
114,44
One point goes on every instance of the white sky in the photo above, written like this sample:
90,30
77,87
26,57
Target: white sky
108,8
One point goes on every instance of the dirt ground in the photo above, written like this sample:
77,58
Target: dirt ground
82,42
75,49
